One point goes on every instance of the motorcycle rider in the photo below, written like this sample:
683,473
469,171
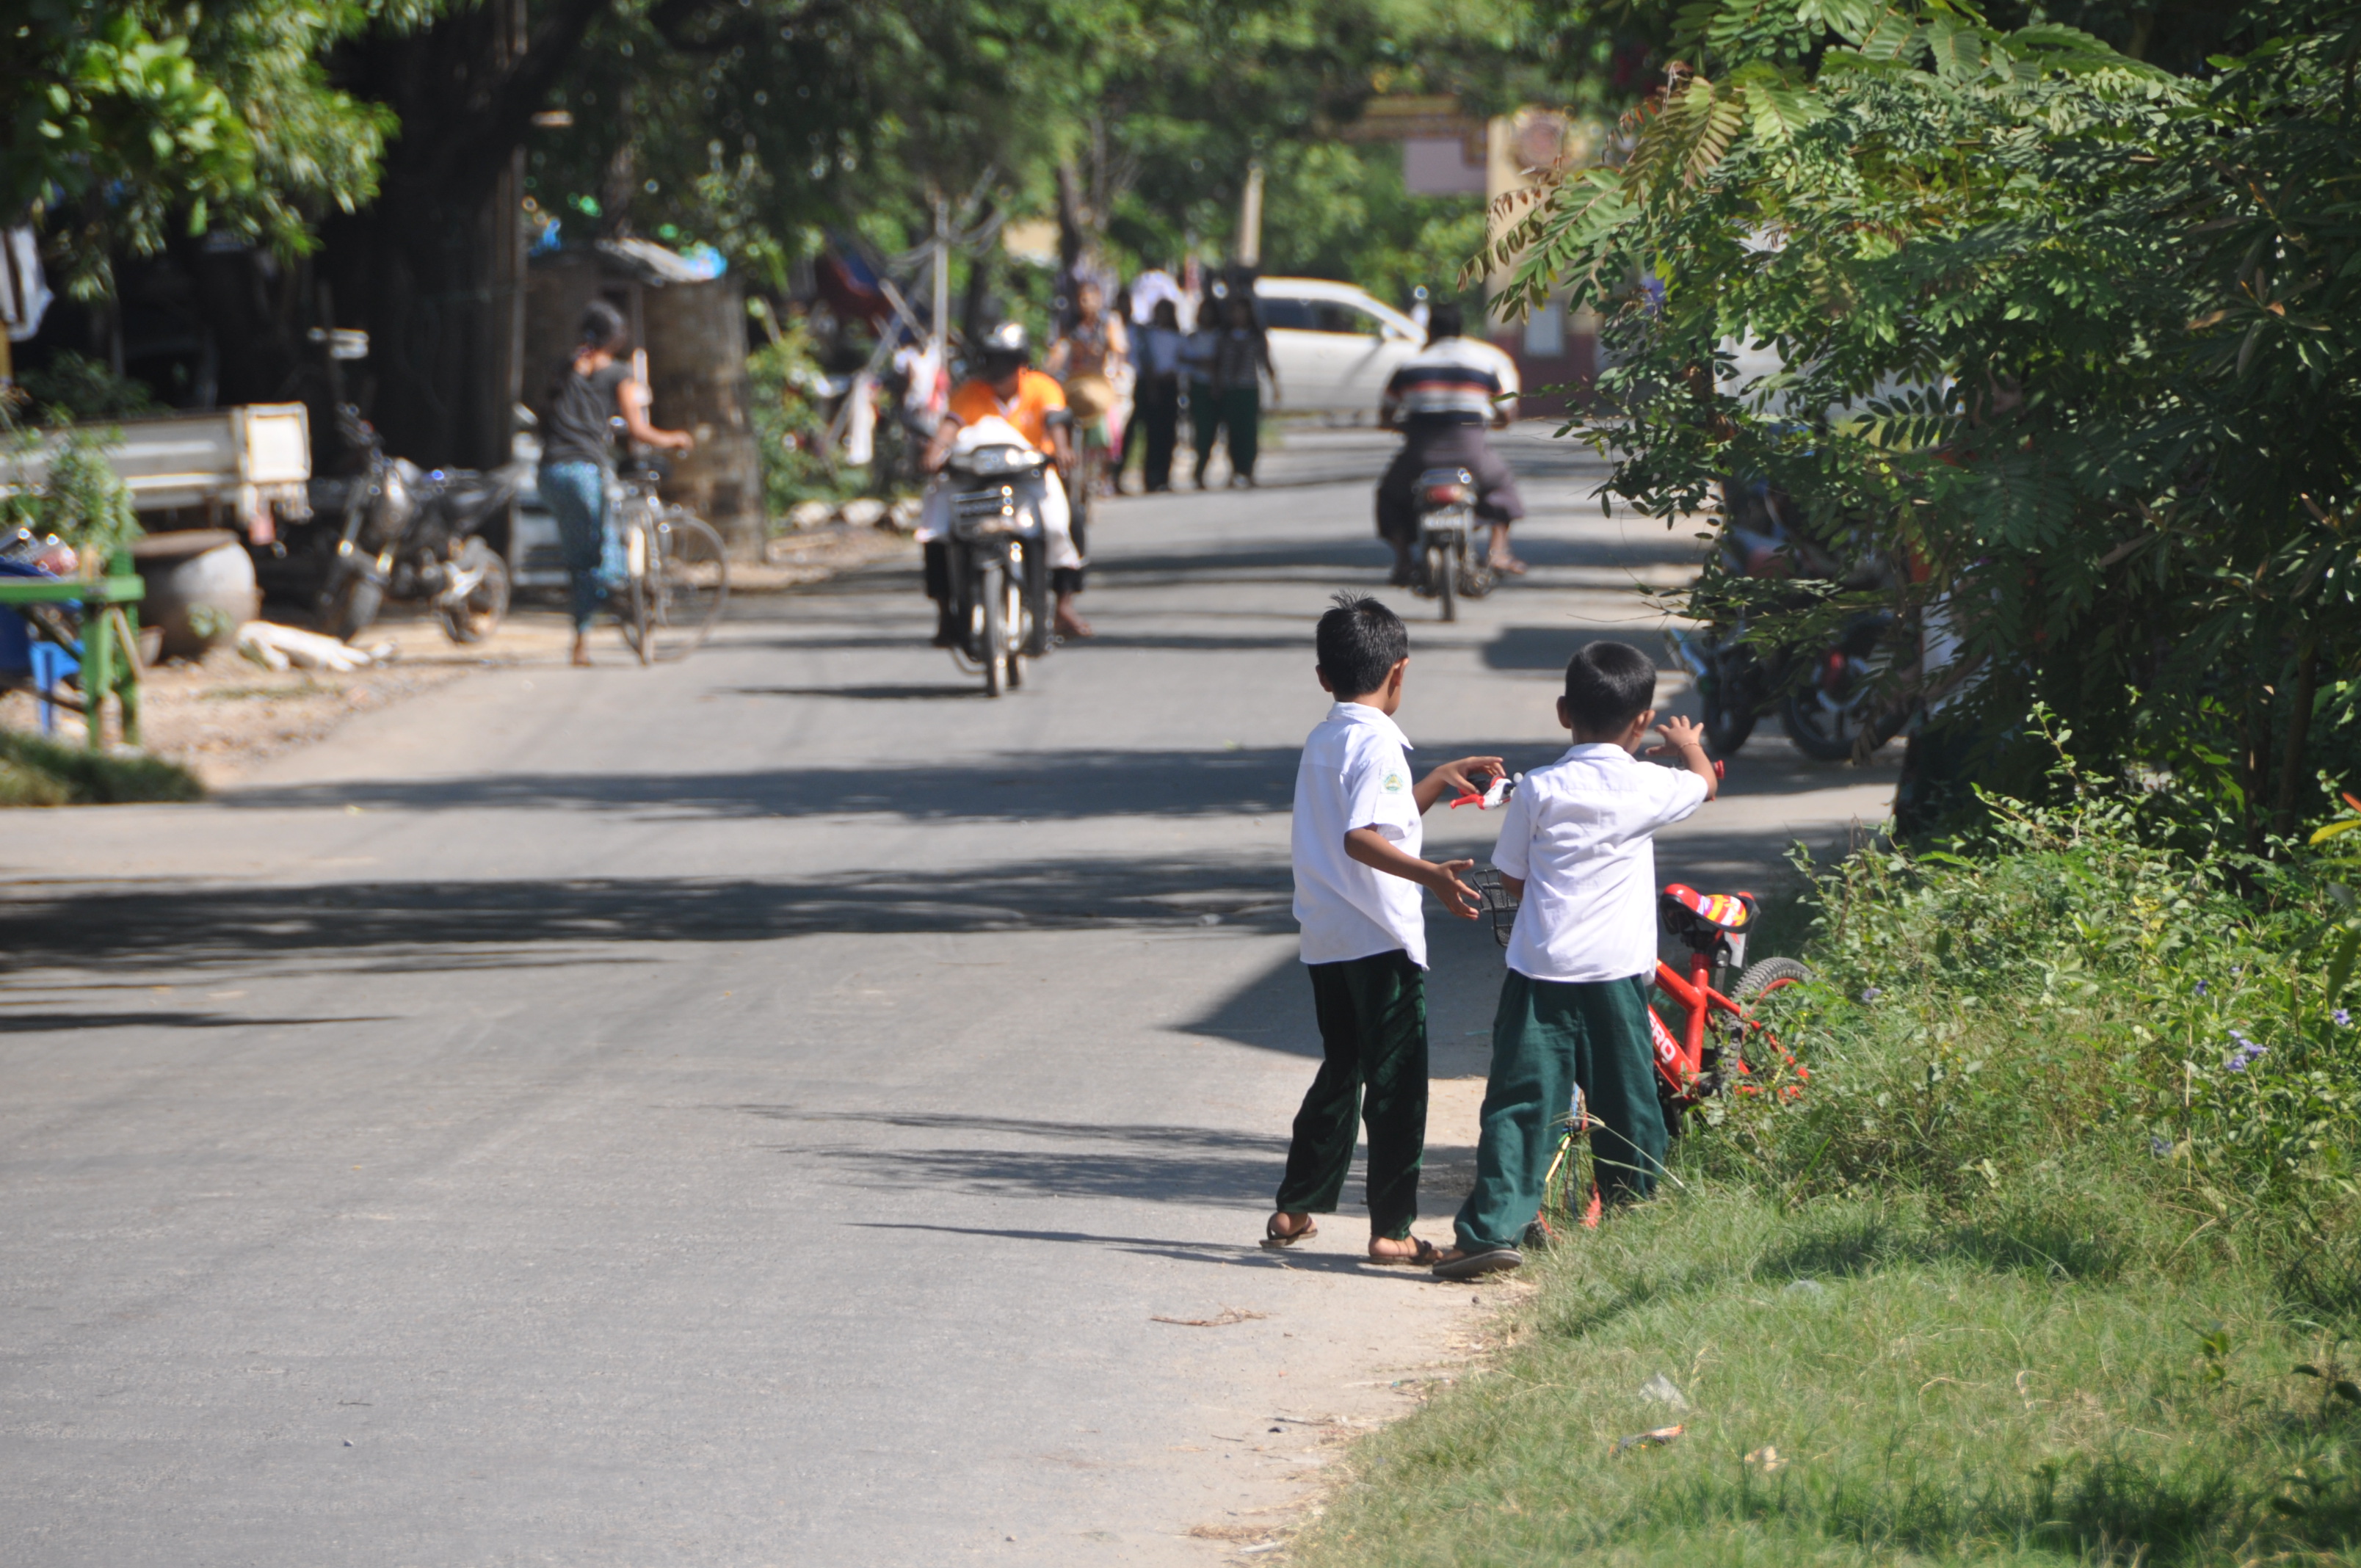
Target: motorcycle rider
1006,386
1441,402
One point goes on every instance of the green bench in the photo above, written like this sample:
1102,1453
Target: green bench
110,637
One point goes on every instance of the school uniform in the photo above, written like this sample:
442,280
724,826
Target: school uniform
1364,945
1580,834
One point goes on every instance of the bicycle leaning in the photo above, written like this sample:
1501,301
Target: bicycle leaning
675,572
1721,1047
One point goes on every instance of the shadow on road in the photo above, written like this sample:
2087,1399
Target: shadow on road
430,925
1227,1254
1041,786
1159,1164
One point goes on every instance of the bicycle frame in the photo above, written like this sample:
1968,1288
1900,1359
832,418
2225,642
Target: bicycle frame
1681,1060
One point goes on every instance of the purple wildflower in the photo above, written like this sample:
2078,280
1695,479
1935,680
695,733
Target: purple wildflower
2160,1148
1870,994
2343,1018
2200,988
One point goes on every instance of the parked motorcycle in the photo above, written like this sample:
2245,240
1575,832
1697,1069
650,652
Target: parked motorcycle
1447,564
1827,695
412,534
999,553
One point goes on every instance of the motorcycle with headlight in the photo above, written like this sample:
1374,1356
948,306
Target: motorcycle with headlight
999,556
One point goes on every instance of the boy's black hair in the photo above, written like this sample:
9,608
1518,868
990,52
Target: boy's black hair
1445,321
1360,640
1609,685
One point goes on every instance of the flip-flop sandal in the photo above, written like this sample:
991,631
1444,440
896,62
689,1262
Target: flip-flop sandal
1507,565
1275,1238
1492,1260
1427,1255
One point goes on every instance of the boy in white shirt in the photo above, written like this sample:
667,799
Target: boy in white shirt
1358,874
1578,847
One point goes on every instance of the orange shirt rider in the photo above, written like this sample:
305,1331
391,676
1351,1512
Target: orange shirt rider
1035,398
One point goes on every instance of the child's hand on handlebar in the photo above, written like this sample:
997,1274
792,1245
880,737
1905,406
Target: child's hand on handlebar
1467,775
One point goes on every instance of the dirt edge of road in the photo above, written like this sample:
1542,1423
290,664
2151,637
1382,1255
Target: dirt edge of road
223,714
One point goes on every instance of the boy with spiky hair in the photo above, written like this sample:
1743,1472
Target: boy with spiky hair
1577,848
1358,876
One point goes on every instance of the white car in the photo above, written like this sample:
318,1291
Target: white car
1335,346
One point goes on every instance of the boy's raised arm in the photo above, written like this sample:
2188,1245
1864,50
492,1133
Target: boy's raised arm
1685,737
1455,778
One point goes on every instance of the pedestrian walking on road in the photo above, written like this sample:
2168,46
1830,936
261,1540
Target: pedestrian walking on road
1158,411
1358,876
1577,848
578,458
1225,387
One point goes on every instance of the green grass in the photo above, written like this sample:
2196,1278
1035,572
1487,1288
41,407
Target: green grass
2075,1188
41,773
2068,1380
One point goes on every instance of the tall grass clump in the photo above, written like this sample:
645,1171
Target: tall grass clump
34,772
2053,1258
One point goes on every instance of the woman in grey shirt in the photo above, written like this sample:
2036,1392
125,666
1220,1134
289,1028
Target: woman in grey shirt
577,456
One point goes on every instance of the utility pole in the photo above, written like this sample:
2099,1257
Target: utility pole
1250,217
940,346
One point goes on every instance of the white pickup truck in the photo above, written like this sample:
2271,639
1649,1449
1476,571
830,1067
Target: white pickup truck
239,464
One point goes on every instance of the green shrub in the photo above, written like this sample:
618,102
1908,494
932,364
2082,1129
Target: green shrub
2060,989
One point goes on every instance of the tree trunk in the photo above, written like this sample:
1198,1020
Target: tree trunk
435,269
2254,765
1075,230
2292,770
976,298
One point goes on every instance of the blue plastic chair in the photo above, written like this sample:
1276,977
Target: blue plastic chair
21,648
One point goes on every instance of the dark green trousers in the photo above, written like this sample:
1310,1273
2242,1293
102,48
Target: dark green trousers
1372,1014
1237,412
1546,1039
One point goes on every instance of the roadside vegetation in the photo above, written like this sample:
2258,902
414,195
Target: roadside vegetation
34,772
2056,1256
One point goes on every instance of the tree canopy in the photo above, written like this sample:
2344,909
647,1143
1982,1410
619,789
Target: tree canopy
128,116
2070,339
1134,120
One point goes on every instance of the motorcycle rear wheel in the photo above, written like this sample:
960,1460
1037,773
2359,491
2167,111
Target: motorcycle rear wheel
478,615
352,607
1821,732
1440,575
1728,718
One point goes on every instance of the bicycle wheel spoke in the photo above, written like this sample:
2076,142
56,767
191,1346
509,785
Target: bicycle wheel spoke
690,582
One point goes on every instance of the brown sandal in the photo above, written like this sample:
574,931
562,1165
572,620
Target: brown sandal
1427,1255
1275,1238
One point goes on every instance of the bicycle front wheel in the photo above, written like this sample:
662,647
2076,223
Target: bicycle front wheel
1570,1191
686,582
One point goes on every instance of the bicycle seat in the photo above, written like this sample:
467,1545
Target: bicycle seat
1690,914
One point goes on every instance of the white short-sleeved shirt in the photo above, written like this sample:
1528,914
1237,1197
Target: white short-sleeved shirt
1354,774
1580,834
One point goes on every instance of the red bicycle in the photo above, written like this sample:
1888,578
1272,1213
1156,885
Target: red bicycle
1709,1055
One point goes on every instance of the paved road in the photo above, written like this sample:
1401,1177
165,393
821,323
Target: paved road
756,1110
